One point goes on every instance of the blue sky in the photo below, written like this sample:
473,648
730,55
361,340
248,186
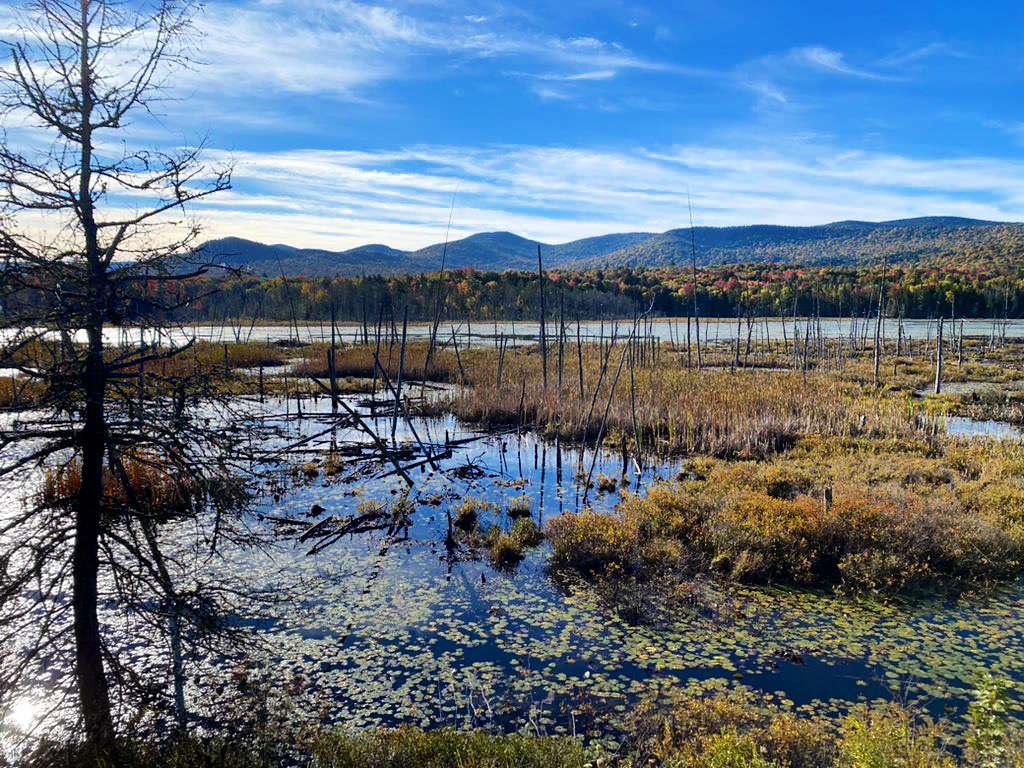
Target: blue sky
352,122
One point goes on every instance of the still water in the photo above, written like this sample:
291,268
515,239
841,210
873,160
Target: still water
384,632
666,329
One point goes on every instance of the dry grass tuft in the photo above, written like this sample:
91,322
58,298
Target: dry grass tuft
861,521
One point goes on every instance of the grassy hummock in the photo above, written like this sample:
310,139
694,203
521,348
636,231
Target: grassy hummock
862,516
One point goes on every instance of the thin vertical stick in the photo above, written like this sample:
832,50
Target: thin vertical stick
401,371
561,333
501,361
543,313
332,362
736,360
693,266
458,357
579,351
689,358
878,330
607,409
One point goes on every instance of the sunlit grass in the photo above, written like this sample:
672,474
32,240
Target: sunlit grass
861,515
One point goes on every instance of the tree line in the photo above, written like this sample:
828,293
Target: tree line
756,289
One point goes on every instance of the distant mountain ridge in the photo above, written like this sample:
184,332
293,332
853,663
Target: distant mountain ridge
841,242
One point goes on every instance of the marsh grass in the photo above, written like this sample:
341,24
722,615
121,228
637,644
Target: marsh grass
359,361
469,512
247,354
678,410
401,748
412,748
150,486
740,730
858,515
672,410
664,730
477,523
19,393
219,365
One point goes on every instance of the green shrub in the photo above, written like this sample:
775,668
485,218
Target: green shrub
191,752
890,738
991,743
505,550
526,532
722,731
731,750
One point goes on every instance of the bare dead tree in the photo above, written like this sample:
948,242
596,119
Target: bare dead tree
693,270
877,375
93,237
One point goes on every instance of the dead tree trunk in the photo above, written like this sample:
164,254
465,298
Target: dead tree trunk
543,334
93,691
332,362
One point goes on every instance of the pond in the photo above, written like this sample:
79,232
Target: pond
409,635
712,330
963,426
406,633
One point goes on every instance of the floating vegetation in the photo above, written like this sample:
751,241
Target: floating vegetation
412,635
392,626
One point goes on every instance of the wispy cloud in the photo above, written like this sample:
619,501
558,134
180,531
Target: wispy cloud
547,93
342,199
833,62
920,53
767,91
346,49
342,48
599,74
774,78
333,49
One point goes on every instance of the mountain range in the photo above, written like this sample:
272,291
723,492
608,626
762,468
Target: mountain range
842,242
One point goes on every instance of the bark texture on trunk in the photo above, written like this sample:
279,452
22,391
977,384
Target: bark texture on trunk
94,695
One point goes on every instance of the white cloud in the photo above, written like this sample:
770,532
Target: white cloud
600,74
774,77
914,55
301,48
342,47
547,93
767,91
827,60
343,199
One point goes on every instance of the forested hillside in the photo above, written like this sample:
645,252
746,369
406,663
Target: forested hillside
975,290
924,240
841,243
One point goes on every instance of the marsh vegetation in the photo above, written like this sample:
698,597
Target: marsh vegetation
610,542
676,508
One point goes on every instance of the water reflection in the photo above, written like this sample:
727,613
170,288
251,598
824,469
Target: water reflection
17,724
962,426
386,636
528,332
